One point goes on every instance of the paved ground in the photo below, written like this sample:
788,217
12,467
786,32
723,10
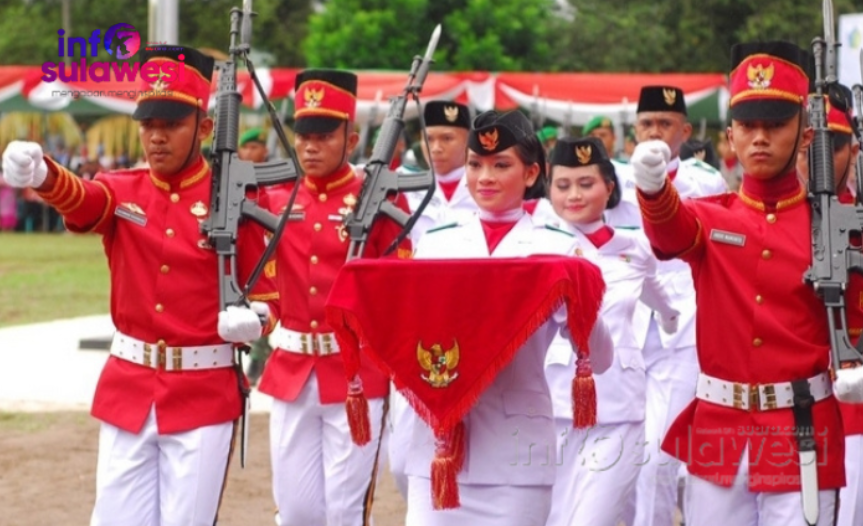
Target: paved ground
48,441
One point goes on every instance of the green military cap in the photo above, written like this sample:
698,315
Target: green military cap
253,135
547,133
599,121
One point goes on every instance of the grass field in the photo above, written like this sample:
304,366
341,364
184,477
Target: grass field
44,277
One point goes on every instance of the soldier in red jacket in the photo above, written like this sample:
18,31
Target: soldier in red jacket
168,395
762,334
320,476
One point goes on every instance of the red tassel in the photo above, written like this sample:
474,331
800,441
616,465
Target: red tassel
357,408
448,461
583,394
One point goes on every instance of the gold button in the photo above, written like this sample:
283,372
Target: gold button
766,254
161,342
169,232
318,227
159,307
314,324
322,197
759,299
757,342
771,218
175,198
314,260
165,269
313,291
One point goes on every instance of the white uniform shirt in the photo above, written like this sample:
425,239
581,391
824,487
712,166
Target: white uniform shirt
441,211
510,430
694,179
629,269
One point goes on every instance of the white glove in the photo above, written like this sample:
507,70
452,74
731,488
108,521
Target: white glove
241,324
668,323
649,161
848,386
23,165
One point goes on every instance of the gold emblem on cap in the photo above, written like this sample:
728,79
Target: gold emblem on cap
759,76
160,84
199,209
670,95
451,113
489,139
314,97
606,123
583,153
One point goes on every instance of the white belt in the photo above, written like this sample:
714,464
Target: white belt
159,355
317,344
757,397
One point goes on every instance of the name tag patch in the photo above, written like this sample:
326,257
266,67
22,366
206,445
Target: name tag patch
729,238
296,216
135,217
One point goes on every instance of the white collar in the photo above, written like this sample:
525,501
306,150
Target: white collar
510,216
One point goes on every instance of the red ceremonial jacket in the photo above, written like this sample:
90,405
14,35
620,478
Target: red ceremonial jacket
757,323
852,414
164,287
311,252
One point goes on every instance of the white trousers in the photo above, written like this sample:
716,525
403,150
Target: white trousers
851,496
672,375
401,418
709,504
148,479
481,505
596,473
320,476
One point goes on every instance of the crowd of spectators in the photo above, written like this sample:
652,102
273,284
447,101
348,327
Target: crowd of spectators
22,210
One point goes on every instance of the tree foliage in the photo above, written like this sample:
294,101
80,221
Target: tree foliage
478,34
28,30
495,35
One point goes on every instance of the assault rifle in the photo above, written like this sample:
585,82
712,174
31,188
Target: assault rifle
233,178
380,182
858,133
833,224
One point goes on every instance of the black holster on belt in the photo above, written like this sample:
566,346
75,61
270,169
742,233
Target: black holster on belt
804,430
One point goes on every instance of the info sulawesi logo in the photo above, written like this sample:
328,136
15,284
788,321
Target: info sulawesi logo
121,41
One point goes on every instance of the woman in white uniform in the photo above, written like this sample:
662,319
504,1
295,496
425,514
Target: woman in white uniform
504,161
598,467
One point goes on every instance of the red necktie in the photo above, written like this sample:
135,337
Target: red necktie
449,188
601,236
495,232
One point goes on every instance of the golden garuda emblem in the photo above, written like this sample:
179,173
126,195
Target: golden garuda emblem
759,76
583,153
669,95
489,139
160,84
451,113
314,97
439,363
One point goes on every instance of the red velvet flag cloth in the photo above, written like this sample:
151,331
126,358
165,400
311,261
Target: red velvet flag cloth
443,330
